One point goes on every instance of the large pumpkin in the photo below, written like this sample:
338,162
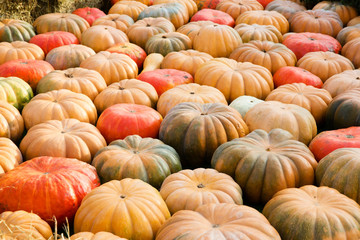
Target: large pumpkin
15,91
135,52
15,30
249,32
11,122
348,33
286,8
342,82
236,7
134,210
118,21
192,28
129,8
291,74
189,4
165,43
20,50
215,16
10,155
349,51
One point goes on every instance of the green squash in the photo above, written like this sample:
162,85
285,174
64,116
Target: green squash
15,91
15,30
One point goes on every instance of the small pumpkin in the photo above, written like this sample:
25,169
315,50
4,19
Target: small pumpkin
348,33
16,30
349,51
15,91
191,29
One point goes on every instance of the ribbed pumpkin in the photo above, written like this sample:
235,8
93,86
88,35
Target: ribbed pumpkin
264,17
58,105
146,2
348,33
236,7
101,37
218,221
130,8
15,30
165,43
20,50
288,75
135,52
213,15
270,55
286,8
324,64
207,3
147,159
354,21
112,66
244,103
346,12
68,138
342,82
118,21
144,29
190,92
64,175
189,4
184,128
10,155
192,28
313,212
95,236
317,21
127,91
67,22
79,80
11,122
24,225
189,189
90,14
223,73
349,51
128,203
290,117
15,91
68,56
251,32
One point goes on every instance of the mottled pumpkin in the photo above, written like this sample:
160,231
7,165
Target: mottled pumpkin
16,30
236,7
346,12
165,43
286,8
10,155
118,21
129,8
15,91
342,82
11,122
20,50
249,32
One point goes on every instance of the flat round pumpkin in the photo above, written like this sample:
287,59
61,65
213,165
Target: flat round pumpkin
213,15
20,50
165,43
236,7
129,8
249,32
349,51
292,74
345,12
244,103
342,82
286,8
118,21
16,30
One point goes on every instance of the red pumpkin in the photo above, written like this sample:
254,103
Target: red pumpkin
328,141
49,40
89,14
132,50
264,2
124,119
165,79
48,186
213,15
291,74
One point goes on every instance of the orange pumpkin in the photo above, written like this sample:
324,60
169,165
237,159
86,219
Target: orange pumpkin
342,82
192,28
346,12
10,155
236,7
20,50
286,8
249,32
118,21
11,122
350,51
354,21
130,8
95,236
348,33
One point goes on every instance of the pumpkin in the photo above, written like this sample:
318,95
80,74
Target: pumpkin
129,8
147,159
16,30
317,213
349,51
118,21
11,122
31,71
19,50
316,21
346,12
50,40
342,82
113,67
152,62
327,141
127,91
15,91
207,3
24,225
269,115
132,50
291,74
89,14
146,2
184,128
348,33
222,73
286,8
144,29
189,4
165,43
263,163
58,105
258,32
264,3
324,64
68,56
129,204
236,7
218,222
268,54
302,43
191,29
244,103
10,155
121,120
189,189
213,15
66,22
27,187
68,138
354,21
264,17
190,92
96,236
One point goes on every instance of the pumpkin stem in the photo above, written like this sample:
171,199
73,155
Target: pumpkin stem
68,75
200,185
122,196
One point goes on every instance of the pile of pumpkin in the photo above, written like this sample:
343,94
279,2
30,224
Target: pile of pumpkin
161,118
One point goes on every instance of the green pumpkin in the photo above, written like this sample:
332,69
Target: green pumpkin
165,43
15,91
15,30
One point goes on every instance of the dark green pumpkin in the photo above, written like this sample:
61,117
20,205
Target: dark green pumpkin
15,30
165,43
15,91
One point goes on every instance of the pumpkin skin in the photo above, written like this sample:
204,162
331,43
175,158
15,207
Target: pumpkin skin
66,22
222,221
243,104
189,4
207,3
16,30
264,163
348,33
50,40
164,43
258,32
346,13
68,138
192,28
342,82
96,236
58,105
286,8
146,2
15,91
147,159
317,213
213,15
302,43
11,122
191,92
127,91
349,51
64,174
236,7
189,189
89,14
354,21
184,129
328,141
19,50
291,74
130,8
118,21
222,73
290,117
10,156
139,204
22,225
132,50
121,120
